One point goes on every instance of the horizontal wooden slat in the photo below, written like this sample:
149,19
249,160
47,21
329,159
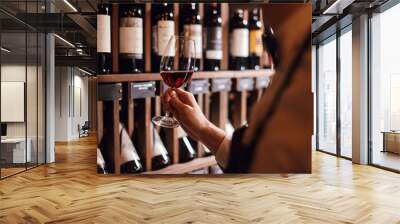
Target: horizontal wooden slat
197,75
183,168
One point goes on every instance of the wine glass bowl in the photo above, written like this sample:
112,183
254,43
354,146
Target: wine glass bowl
182,50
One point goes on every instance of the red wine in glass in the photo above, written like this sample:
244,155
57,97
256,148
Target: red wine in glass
181,50
176,79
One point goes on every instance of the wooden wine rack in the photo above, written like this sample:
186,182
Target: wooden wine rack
118,102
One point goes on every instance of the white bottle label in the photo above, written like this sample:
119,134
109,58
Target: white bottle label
131,36
240,43
193,32
165,29
104,33
128,151
213,42
214,54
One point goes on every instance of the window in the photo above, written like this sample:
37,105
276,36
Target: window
385,89
22,101
327,96
346,75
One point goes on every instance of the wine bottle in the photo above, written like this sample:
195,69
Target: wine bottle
255,39
267,58
194,143
104,39
212,37
131,58
160,155
101,164
239,41
192,30
229,129
163,27
186,150
207,151
130,160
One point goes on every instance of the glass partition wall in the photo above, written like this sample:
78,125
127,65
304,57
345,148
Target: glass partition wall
345,92
327,95
385,89
334,94
22,77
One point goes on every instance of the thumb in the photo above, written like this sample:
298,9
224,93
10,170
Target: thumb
186,97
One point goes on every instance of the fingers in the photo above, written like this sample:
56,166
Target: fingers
186,97
165,98
175,103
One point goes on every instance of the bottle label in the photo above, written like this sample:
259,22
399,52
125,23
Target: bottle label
131,36
193,32
128,151
240,42
104,33
165,29
256,46
213,40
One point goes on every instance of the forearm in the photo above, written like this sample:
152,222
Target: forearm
216,140
211,136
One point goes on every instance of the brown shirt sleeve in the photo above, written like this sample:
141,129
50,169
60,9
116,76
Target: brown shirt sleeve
285,141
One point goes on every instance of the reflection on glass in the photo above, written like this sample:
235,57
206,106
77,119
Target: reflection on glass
41,98
346,94
385,92
31,98
327,97
22,89
13,85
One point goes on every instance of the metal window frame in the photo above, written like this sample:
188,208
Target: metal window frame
44,73
381,9
334,37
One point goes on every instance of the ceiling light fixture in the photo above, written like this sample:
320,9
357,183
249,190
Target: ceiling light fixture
70,5
5,50
337,7
65,41
84,71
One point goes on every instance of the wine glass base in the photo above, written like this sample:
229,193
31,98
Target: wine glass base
165,122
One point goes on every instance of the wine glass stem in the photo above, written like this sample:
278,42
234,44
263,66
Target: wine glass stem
167,113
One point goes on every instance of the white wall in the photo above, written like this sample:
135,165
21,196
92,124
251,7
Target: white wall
16,73
71,93
33,127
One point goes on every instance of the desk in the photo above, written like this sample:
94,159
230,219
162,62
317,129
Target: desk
391,141
13,150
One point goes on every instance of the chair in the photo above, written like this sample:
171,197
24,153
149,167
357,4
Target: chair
84,129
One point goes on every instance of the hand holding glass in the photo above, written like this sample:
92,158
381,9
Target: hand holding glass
182,50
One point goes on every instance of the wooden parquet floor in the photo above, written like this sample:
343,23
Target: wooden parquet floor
70,191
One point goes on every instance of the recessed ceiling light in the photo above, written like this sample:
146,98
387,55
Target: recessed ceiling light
84,71
5,50
65,41
70,5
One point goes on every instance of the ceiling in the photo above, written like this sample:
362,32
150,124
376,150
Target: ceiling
75,21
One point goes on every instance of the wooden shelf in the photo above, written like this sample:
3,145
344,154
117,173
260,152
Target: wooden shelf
135,112
142,77
187,167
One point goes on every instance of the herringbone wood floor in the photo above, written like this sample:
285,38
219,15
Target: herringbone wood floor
70,191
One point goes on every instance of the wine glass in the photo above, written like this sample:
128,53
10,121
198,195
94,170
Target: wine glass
182,50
